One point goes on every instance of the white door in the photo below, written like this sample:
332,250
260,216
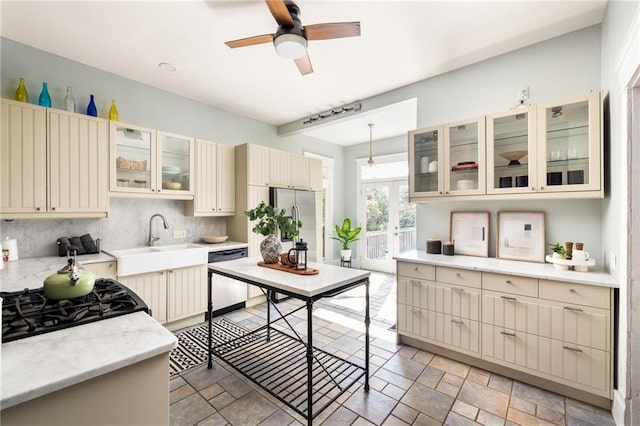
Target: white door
388,224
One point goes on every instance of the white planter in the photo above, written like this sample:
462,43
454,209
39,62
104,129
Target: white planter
345,254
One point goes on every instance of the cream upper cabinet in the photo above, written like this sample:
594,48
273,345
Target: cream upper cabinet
23,158
570,145
214,180
315,174
299,166
146,162
54,163
256,164
280,168
543,151
511,152
464,157
426,157
78,171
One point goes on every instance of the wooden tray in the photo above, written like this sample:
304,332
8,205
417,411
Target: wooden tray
281,267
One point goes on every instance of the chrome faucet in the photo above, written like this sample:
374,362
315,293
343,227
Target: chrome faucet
154,238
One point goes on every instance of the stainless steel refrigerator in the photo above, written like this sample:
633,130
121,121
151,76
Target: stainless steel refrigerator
300,205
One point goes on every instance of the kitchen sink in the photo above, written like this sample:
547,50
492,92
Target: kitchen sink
140,260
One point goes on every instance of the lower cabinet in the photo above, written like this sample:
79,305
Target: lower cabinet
103,269
553,330
171,294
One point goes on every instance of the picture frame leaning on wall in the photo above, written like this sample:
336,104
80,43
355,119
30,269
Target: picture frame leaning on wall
521,236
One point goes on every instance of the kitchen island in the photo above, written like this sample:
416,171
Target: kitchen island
113,371
285,364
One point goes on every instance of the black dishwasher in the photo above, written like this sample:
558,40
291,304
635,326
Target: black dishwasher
228,294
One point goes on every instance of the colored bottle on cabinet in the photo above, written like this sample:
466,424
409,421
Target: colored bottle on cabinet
113,111
21,92
91,108
69,101
44,99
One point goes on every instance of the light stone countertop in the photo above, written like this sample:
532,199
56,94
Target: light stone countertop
38,365
547,271
330,277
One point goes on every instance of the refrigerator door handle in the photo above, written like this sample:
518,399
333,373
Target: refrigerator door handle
296,218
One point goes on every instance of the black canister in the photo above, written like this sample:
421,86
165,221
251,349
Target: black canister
522,181
448,248
434,246
505,182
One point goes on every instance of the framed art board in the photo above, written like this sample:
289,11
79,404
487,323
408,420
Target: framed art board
521,236
469,232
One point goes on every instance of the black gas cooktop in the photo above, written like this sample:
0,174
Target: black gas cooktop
28,313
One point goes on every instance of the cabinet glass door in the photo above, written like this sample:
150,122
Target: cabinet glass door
134,160
425,159
175,163
511,161
570,145
465,157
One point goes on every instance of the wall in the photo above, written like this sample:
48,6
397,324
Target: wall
145,106
556,69
615,27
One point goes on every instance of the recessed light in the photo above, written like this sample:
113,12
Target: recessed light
166,66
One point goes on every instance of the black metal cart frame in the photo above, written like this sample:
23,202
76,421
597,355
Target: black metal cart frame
305,378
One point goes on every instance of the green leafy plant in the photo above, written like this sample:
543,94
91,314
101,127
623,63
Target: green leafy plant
559,248
345,234
270,220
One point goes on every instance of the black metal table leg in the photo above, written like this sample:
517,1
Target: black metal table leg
268,315
367,321
209,317
309,363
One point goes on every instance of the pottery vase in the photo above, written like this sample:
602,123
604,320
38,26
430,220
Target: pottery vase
21,92
270,249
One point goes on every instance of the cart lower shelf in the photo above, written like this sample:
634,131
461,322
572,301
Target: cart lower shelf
277,362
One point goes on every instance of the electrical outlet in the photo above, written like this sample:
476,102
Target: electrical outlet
523,94
178,234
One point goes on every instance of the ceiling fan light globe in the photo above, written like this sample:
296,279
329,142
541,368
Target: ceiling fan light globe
290,46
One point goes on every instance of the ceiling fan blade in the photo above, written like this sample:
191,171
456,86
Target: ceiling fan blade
304,64
250,41
280,13
333,30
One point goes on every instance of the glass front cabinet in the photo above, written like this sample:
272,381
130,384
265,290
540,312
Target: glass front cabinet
146,161
541,149
426,157
464,157
569,145
511,151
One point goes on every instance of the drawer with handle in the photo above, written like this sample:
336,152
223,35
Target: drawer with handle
417,270
458,276
579,294
510,284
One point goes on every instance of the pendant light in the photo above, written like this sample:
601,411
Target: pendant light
370,162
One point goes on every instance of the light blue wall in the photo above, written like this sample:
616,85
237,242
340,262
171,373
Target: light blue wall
556,69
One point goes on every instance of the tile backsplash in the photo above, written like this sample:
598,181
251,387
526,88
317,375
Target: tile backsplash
127,226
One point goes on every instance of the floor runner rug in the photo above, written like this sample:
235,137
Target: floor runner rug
192,344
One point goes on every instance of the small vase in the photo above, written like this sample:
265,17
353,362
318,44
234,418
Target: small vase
69,101
21,92
113,111
270,249
45,99
91,108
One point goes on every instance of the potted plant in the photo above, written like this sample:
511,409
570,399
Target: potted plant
559,252
346,236
270,221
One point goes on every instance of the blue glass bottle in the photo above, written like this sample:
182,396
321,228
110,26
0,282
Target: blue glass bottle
45,99
91,108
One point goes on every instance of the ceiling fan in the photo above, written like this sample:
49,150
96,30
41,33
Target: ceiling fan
290,39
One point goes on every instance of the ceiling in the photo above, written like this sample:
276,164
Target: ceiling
402,42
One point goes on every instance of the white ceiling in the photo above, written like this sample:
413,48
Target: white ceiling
401,43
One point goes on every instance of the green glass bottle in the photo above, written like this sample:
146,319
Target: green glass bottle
21,92
113,111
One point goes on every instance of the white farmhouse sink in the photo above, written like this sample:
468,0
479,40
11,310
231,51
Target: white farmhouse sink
158,258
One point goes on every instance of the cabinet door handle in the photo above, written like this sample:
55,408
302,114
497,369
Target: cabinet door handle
458,275
508,282
415,269
504,333
542,188
53,208
569,308
513,299
569,348
37,209
533,188
455,321
458,289
415,311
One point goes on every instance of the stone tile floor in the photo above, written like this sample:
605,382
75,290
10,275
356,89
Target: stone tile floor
408,386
